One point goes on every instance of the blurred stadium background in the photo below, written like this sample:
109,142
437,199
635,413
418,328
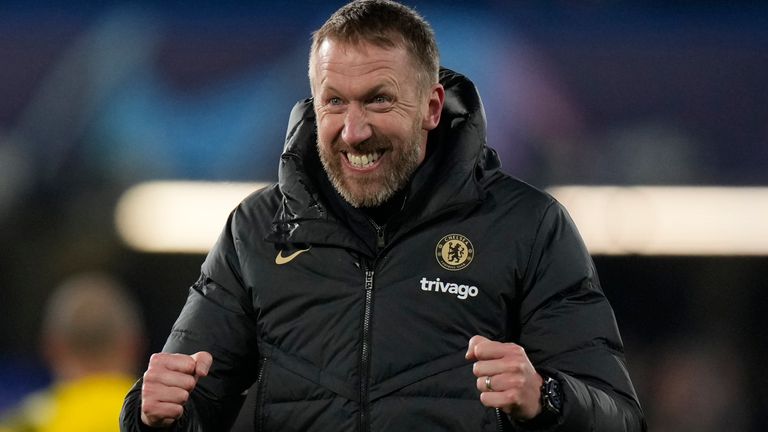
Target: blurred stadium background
98,97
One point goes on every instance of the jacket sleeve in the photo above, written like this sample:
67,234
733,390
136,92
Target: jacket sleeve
569,331
217,318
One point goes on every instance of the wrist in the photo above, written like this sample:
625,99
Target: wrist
145,425
550,405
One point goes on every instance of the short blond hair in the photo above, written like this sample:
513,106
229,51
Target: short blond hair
386,24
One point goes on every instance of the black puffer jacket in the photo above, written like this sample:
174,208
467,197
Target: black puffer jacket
366,330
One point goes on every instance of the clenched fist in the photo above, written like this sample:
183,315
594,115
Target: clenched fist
505,377
168,381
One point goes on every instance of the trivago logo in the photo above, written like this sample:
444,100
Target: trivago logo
461,291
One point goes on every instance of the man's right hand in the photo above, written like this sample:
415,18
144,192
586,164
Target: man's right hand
168,381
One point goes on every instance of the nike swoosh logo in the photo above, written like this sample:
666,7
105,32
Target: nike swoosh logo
280,259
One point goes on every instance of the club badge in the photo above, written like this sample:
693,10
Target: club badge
454,252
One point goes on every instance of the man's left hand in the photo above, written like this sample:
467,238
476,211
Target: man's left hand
505,377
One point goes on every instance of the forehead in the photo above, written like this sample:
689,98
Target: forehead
336,60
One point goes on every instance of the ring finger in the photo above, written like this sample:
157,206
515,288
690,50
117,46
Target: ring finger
488,383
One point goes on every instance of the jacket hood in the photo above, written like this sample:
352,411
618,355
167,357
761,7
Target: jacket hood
457,166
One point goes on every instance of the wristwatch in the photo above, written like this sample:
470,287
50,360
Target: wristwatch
551,406
551,397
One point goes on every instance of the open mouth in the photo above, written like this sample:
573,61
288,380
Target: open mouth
364,160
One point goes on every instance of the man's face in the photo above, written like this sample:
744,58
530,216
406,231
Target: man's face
372,120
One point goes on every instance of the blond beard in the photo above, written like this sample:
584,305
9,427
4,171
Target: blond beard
372,191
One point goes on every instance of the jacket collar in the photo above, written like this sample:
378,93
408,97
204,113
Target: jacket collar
457,166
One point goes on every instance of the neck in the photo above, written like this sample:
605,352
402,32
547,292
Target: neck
381,214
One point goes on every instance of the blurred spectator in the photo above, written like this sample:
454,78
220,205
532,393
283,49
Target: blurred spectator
92,339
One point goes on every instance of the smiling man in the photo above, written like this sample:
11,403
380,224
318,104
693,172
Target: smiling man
394,279
372,117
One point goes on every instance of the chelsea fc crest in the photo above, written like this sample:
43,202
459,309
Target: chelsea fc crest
454,252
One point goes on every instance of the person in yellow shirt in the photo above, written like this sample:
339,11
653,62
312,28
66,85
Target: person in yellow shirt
92,340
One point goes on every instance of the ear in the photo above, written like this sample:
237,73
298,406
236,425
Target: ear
434,107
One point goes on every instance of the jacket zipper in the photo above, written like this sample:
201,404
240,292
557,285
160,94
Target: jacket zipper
257,423
499,421
365,352
380,239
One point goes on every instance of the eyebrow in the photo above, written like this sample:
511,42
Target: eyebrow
377,89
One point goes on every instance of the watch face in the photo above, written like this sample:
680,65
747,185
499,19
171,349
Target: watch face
552,397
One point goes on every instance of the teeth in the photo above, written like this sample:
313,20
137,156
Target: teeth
363,161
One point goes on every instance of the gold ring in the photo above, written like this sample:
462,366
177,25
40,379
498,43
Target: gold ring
488,383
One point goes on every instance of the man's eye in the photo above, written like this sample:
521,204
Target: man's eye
380,99
334,101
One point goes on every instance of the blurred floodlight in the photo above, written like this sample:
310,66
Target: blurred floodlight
176,216
187,217
669,220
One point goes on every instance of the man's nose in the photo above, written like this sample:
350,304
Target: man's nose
356,126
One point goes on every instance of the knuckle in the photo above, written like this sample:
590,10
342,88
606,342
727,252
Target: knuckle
148,376
505,381
146,389
479,352
186,365
511,398
514,366
474,369
178,410
514,382
152,377
511,365
148,409
515,351
480,383
189,383
480,349
491,400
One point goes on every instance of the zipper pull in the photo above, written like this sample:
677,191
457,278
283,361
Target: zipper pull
380,237
380,243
